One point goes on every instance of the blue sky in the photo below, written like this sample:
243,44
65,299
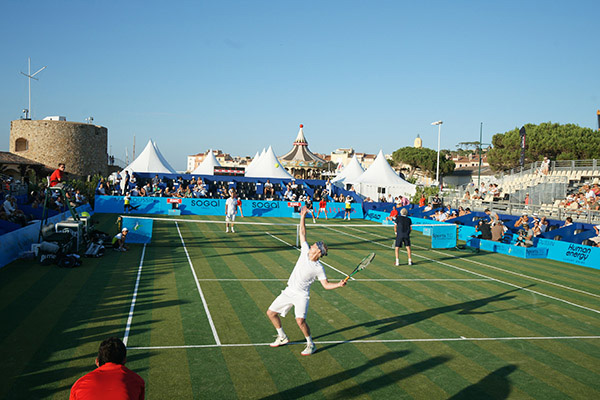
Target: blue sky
242,75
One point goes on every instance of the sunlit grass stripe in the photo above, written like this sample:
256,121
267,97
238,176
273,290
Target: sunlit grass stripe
159,319
449,265
352,312
423,328
62,321
167,324
552,270
227,324
537,272
509,316
266,301
531,267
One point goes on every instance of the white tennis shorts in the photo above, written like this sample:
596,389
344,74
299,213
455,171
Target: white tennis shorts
230,218
284,302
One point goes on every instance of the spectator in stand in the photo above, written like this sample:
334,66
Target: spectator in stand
476,195
498,232
524,220
467,211
543,225
422,200
596,239
125,183
436,201
404,201
527,199
545,166
467,196
536,228
111,379
268,190
156,180
493,216
568,222
328,185
58,175
12,211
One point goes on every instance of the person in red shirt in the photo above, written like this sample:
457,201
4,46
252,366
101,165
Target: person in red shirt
111,380
57,175
422,201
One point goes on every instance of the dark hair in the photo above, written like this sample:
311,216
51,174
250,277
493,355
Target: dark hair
112,350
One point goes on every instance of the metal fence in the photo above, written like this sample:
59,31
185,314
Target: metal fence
593,166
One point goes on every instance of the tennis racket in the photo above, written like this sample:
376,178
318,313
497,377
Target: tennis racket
362,265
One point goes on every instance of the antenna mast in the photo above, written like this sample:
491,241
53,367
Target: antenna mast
30,76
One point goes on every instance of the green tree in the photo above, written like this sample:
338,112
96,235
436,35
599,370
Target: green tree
555,141
423,159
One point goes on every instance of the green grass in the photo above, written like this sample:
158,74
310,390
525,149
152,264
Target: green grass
395,332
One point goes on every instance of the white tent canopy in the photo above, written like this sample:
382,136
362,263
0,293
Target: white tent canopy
350,172
207,167
380,178
150,160
252,163
268,166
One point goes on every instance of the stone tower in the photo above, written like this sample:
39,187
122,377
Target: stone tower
82,147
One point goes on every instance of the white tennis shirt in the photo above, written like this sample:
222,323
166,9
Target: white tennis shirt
305,272
231,206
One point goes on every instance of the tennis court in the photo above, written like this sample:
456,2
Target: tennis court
191,307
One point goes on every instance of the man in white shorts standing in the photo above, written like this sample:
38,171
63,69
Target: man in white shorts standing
297,293
231,206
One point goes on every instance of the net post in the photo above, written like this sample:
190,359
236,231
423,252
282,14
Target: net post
297,235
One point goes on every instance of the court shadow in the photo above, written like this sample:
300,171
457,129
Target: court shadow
391,378
382,326
319,384
494,386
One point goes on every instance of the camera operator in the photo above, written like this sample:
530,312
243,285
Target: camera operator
525,238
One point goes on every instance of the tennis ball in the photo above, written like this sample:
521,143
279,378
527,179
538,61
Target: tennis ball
276,165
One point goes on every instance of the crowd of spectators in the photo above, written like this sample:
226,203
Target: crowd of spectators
586,198
28,204
491,192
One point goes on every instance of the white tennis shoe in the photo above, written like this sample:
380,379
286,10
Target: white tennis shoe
310,348
280,341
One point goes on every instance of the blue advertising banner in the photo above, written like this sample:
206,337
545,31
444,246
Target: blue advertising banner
572,253
442,236
250,208
140,229
377,216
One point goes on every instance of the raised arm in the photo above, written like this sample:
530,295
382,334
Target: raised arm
302,230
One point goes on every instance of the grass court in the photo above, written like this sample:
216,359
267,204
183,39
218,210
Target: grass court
191,307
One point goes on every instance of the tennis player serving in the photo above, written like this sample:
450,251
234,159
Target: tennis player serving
296,294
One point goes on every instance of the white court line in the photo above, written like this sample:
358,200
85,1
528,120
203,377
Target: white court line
459,339
503,270
322,262
478,274
359,280
135,290
210,320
